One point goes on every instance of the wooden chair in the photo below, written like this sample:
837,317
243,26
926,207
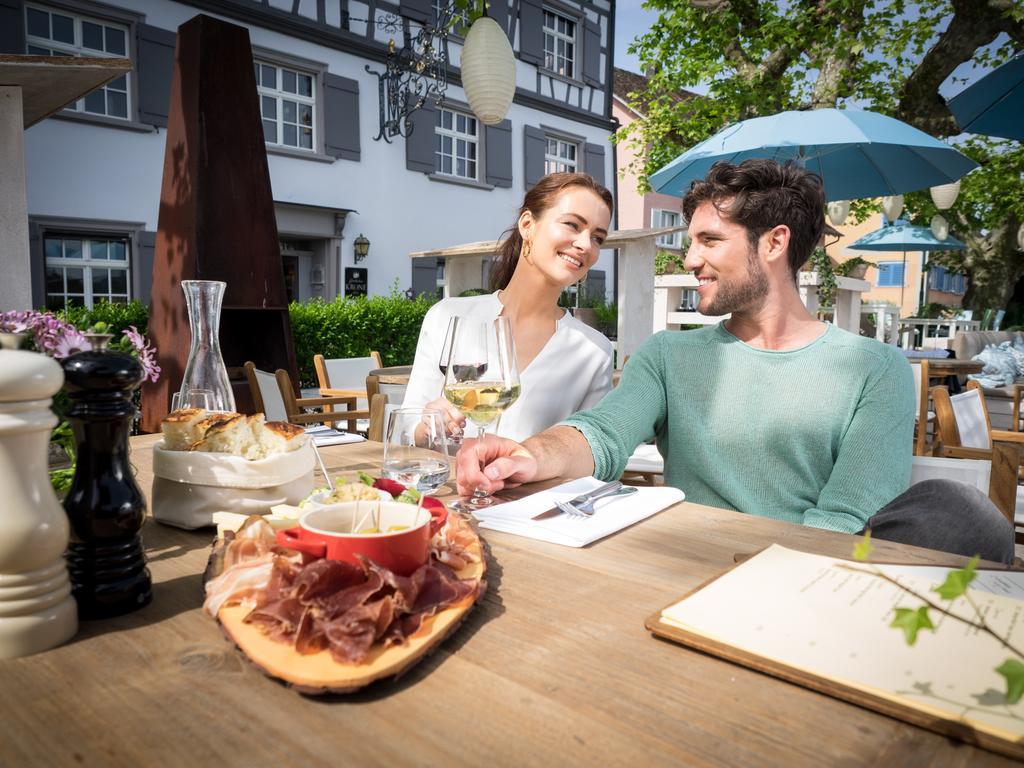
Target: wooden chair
272,394
964,432
345,376
923,418
266,395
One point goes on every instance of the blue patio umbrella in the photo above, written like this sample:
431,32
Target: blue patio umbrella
857,154
994,105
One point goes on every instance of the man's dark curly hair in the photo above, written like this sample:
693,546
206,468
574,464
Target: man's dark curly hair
761,194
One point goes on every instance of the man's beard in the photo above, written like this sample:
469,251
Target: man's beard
746,296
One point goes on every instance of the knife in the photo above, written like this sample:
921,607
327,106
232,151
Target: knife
583,497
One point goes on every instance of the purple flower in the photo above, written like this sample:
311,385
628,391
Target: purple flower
144,352
14,322
69,342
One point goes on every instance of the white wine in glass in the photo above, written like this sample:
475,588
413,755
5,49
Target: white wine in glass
482,380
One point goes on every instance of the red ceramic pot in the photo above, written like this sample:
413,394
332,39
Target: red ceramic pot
395,536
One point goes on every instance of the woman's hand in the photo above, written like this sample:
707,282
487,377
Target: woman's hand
454,421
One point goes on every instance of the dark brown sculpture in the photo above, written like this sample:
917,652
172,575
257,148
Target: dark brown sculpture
216,216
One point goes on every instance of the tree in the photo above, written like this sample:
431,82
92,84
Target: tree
764,56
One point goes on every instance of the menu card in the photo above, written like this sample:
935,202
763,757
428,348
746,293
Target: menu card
824,623
611,514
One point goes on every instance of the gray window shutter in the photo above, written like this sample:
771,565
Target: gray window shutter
424,276
498,146
155,68
531,31
142,267
591,53
37,265
341,117
498,10
419,146
593,161
417,10
12,26
534,154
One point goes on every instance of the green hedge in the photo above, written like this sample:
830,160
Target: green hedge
355,327
117,316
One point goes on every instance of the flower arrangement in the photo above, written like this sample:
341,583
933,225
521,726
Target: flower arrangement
54,337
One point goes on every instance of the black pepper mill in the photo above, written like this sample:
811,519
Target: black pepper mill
105,506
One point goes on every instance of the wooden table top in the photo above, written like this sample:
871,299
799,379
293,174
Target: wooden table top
553,667
940,367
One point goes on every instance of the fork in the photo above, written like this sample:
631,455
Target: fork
585,508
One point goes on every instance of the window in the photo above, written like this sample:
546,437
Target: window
287,105
58,33
941,280
459,16
560,155
456,145
661,218
559,43
82,270
890,274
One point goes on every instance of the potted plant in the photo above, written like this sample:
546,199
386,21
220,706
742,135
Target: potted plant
855,267
668,263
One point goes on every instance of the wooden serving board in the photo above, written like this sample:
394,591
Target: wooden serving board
319,673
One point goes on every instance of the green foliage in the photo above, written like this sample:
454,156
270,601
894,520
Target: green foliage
956,581
607,315
474,292
820,263
912,621
663,258
1013,671
116,316
935,310
843,269
354,327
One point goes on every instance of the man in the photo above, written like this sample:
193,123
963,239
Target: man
771,412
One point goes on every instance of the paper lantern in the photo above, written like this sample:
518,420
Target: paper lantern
892,207
488,71
940,227
838,210
944,195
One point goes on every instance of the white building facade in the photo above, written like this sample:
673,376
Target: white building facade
94,171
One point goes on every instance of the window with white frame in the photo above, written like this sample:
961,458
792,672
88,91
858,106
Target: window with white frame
560,155
456,145
82,270
287,105
662,218
51,32
559,43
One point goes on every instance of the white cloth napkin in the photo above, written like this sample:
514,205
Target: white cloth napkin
611,514
329,436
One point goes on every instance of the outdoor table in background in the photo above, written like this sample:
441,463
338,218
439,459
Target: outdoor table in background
949,370
914,330
553,667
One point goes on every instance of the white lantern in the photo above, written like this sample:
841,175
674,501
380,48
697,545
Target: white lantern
892,207
488,71
944,195
1020,237
940,227
838,210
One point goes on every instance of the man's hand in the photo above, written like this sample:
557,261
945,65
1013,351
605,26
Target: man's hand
492,464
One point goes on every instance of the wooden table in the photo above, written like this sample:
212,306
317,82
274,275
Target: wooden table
553,667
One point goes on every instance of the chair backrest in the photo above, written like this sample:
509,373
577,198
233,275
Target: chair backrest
266,394
997,323
346,373
920,370
380,410
966,314
976,472
971,419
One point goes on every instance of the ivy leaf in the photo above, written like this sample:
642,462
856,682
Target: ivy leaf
1013,671
911,622
863,549
956,581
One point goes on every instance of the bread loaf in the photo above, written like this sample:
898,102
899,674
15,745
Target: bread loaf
281,437
181,428
251,437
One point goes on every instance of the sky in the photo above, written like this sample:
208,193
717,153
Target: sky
632,20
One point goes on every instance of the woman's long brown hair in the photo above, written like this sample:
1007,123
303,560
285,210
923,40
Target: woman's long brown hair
538,199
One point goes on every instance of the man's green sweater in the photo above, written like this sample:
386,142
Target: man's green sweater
819,435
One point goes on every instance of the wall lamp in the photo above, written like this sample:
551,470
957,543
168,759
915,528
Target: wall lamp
361,247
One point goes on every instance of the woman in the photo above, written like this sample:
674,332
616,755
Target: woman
564,365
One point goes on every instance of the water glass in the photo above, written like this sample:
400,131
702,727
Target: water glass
193,398
416,449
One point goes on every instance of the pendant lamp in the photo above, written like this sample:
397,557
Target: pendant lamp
944,195
892,207
940,227
488,71
838,210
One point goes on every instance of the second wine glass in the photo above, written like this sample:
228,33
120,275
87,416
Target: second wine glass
482,379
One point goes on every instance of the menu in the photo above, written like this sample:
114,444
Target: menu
824,623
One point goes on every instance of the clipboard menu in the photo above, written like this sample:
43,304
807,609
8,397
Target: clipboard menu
823,623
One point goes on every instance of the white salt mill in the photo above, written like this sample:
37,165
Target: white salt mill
36,608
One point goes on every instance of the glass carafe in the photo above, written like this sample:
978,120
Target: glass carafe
205,369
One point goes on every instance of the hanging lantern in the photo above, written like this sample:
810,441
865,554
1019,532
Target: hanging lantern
1020,237
488,71
838,210
940,227
892,207
944,195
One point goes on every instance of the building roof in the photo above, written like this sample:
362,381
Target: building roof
625,82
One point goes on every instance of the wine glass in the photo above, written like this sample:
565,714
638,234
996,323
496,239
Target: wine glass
482,380
455,438
416,450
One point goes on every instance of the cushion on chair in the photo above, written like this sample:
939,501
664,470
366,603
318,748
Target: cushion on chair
969,411
646,459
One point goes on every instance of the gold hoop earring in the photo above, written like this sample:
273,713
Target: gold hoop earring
524,253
